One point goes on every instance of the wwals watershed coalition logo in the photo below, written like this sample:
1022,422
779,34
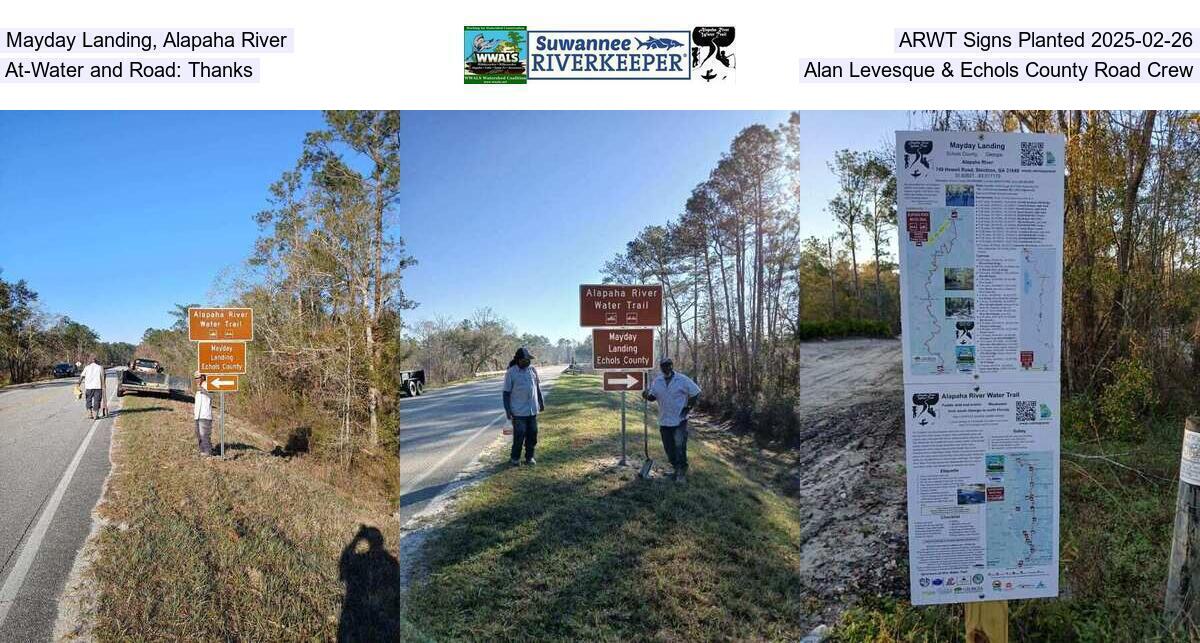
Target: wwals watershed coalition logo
495,55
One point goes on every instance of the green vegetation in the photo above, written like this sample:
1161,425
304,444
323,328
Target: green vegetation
576,549
1118,505
451,351
839,328
259,547
32,340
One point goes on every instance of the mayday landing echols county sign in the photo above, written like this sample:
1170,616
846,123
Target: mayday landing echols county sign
617,305
221,358
629,349
220,324
624,380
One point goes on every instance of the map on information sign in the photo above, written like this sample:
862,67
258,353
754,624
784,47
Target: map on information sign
940,262
1039,295
1020,510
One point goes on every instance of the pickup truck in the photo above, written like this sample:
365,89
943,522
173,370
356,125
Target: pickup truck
412,383
147,376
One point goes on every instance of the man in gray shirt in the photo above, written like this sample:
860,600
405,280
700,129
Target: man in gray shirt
522,403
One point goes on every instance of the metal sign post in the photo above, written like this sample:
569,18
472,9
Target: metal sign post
221,335
222,394
624,462
622,318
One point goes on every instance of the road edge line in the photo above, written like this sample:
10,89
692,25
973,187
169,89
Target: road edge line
20,569
64,625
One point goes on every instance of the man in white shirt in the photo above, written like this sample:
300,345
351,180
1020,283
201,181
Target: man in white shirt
676,394
92,381
202,413
522,402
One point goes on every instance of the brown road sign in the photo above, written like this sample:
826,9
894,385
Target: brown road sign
221,358
624,380
223,383
617,305
623,349
220,324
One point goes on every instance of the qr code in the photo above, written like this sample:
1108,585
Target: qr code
1033,154
1027,411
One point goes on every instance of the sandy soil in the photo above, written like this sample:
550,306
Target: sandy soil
839,374
847,475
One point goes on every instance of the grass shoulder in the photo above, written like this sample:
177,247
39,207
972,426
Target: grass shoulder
257,546
577,548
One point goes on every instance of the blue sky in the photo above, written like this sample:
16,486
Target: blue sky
114,217
513,210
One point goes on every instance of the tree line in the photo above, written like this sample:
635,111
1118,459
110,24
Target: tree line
729,265
849,286
32,340
453,350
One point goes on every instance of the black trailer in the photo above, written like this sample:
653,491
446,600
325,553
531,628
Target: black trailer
412,383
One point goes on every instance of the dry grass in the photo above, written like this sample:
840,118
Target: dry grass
260,546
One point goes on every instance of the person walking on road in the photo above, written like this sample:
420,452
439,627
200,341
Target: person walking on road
202,413
92,381
676,394
522,403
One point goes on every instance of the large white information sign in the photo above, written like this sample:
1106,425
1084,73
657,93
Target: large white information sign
980,229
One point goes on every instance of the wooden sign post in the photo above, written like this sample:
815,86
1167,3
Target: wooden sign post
987,622
1183,574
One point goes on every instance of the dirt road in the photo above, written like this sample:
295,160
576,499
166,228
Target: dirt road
841,373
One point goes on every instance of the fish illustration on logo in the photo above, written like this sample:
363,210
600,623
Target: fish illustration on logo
658,43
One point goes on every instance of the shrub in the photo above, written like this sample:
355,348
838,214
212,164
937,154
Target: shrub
1078,417
1127,399
844,328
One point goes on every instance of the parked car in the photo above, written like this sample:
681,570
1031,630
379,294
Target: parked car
65,370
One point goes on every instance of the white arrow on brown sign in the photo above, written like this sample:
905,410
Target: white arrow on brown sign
223,383
624,380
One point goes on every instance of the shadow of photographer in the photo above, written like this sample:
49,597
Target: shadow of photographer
371,609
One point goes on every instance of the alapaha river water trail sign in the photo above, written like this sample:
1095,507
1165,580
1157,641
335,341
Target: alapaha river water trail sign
980,234
221,335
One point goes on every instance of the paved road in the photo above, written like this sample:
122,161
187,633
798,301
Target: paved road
53,461
444,430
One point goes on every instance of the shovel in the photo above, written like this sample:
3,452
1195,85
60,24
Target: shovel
647,463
